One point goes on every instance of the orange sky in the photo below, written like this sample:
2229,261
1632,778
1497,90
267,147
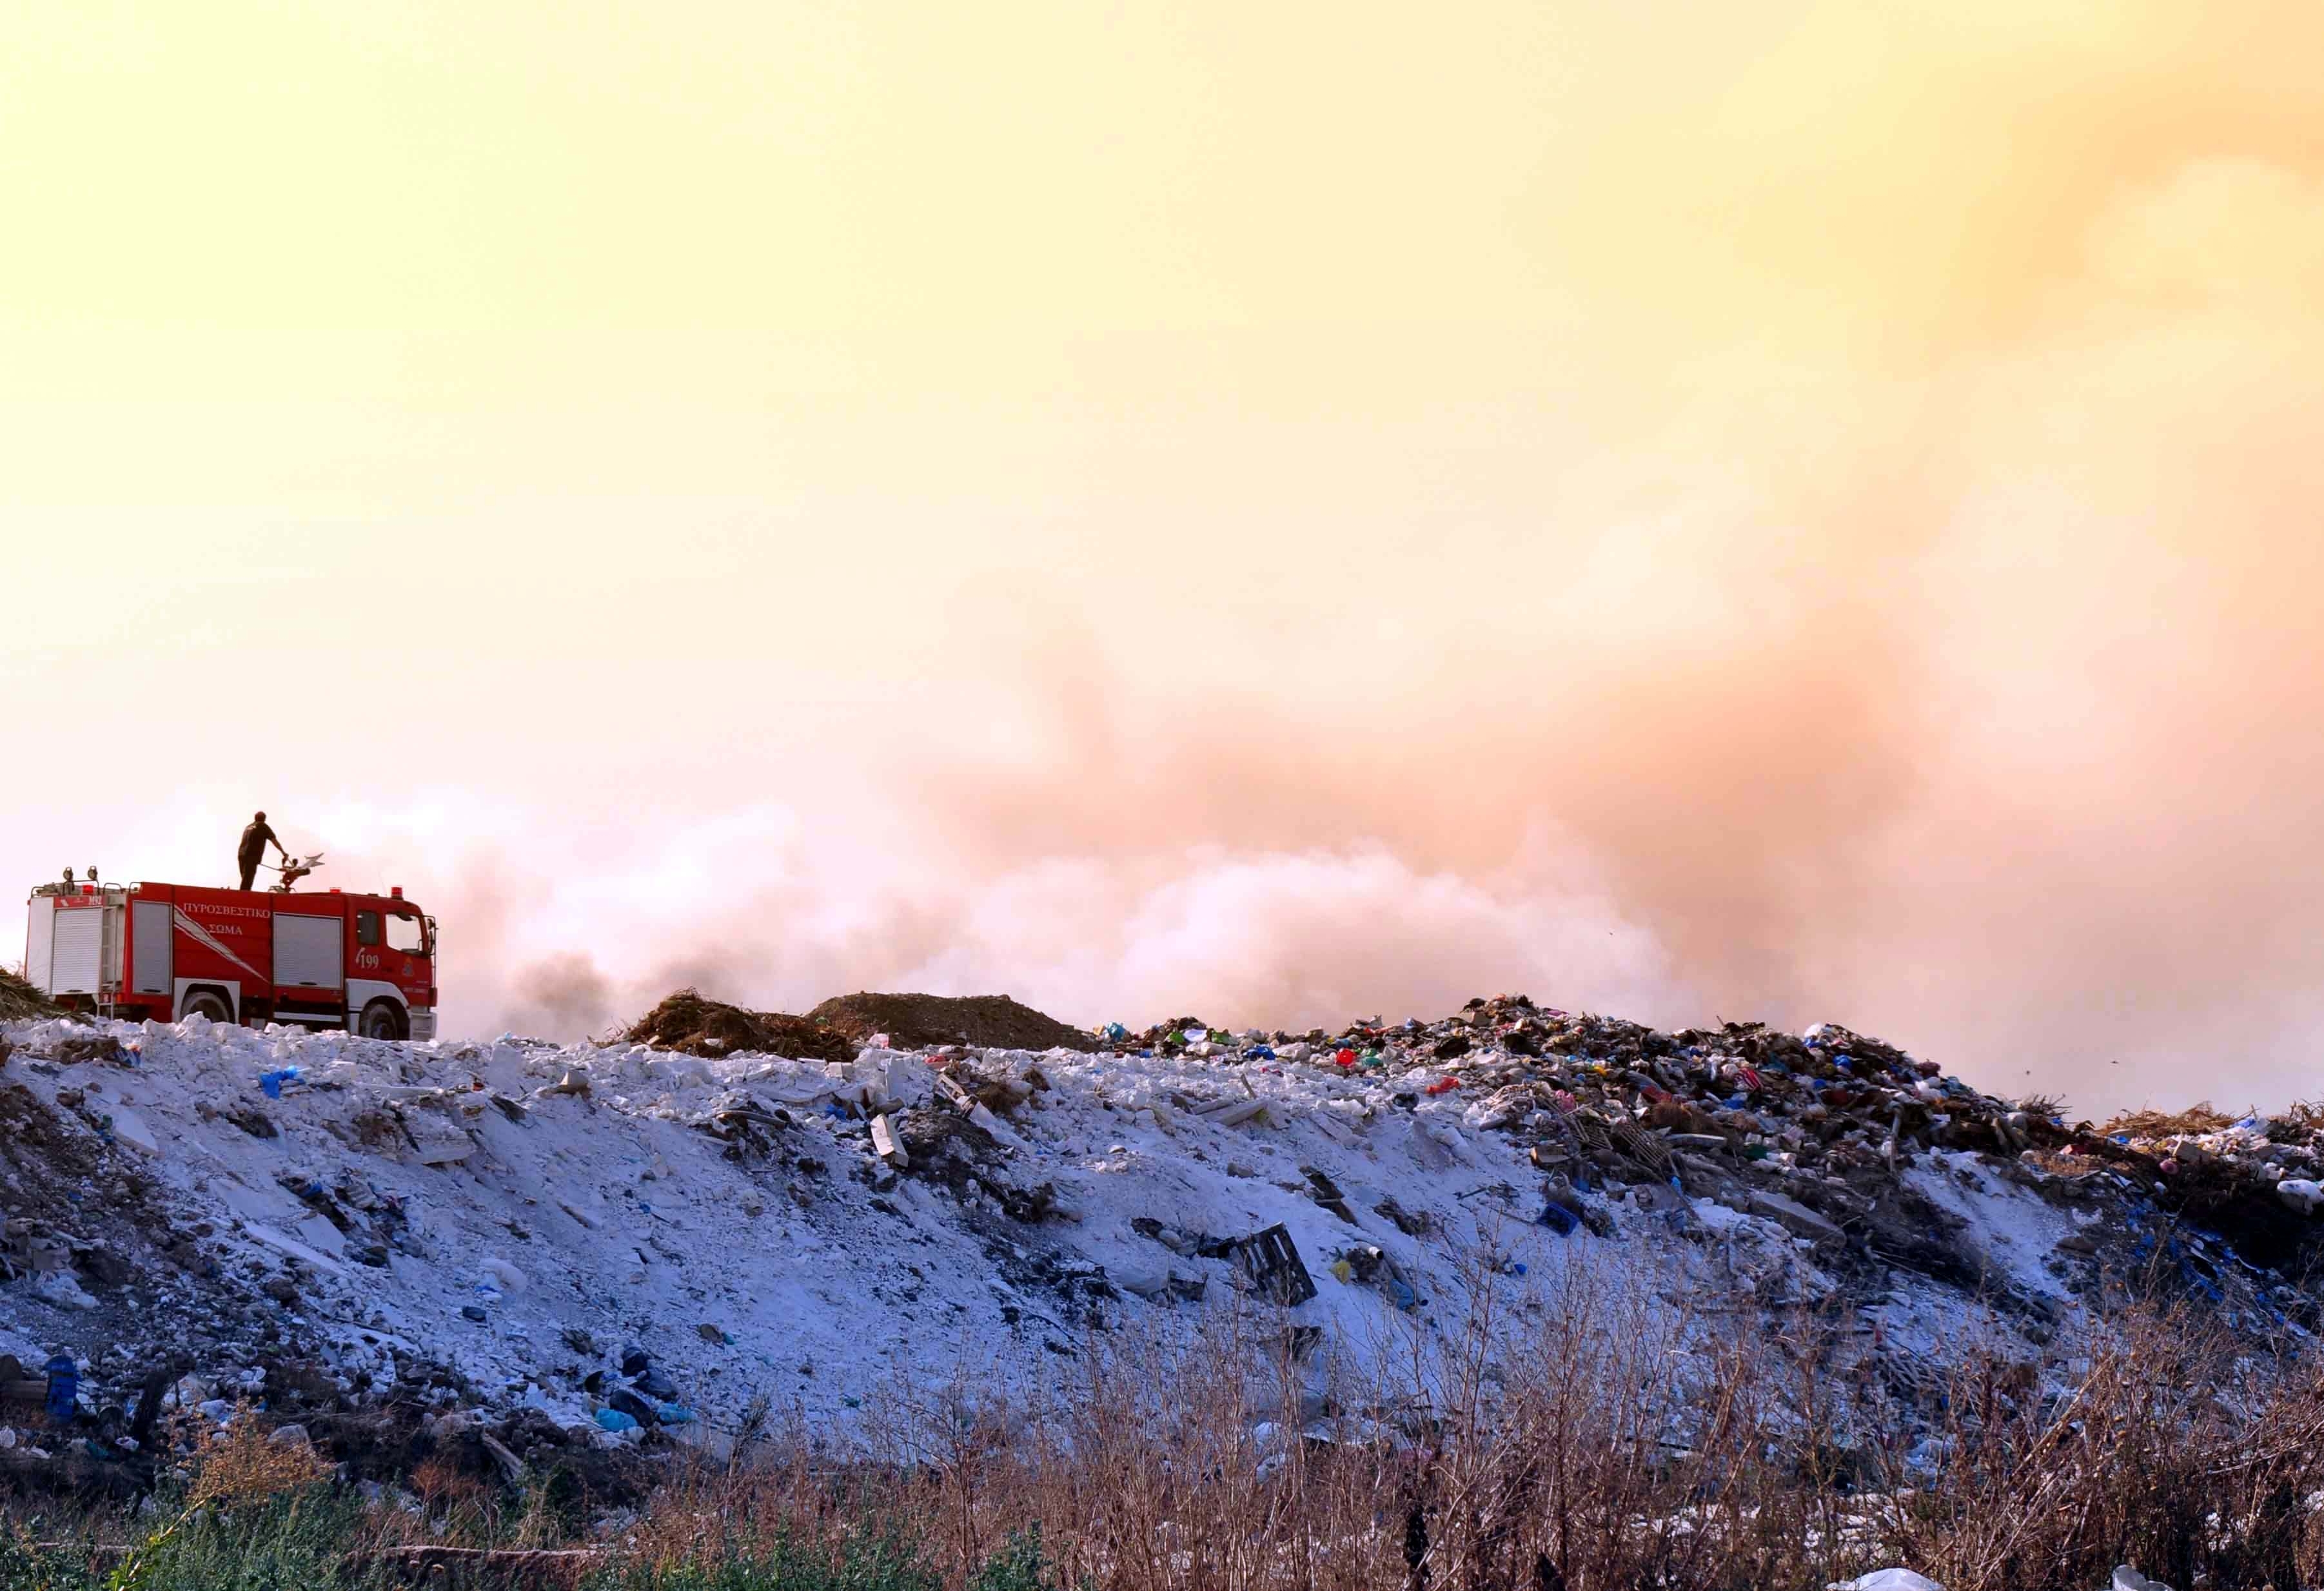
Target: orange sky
1796,510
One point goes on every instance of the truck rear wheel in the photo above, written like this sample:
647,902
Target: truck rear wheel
203,1002
381,1020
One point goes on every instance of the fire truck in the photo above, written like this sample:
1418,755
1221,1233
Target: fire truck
318,959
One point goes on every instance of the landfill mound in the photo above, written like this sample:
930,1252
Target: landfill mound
916,1021
19,1000
694,1025
521,1255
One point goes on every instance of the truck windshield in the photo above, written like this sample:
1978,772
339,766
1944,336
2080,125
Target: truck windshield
407,934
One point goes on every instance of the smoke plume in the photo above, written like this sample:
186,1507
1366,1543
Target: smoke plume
1809,512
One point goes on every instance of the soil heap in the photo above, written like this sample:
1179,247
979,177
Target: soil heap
914,1021
694,1025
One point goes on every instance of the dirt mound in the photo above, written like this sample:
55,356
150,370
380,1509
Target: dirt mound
687,1022
19,1000
915,1020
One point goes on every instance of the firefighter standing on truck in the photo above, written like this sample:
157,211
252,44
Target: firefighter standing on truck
256,839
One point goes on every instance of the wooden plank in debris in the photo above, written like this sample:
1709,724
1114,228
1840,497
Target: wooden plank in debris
1271,1260
1234,1112
511,1465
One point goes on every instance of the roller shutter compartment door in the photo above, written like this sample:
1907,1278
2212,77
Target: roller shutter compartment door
149,950
77,952
41,943
308,952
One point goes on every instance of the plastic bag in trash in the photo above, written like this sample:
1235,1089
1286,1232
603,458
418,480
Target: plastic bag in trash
1887,1579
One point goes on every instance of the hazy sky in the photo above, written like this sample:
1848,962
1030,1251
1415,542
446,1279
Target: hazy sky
1272,512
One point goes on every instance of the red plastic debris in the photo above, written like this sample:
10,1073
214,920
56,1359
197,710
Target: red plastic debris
1442,1085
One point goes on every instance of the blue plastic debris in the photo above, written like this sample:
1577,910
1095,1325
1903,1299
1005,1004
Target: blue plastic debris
1560,1220
64,1387
272,1082
614,1420
675,1414
1402,1296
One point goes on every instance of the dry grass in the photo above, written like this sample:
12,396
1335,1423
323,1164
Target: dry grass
2203,1117
2301,1115
242,1463
19,1000
1601,1443
1587,1436
2042,1105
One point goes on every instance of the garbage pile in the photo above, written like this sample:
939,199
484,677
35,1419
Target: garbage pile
522,1253
1815,1130
2259,1179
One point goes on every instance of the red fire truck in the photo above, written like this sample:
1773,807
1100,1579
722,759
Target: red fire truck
322,959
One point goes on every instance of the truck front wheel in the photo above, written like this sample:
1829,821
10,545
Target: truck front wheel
381,1020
